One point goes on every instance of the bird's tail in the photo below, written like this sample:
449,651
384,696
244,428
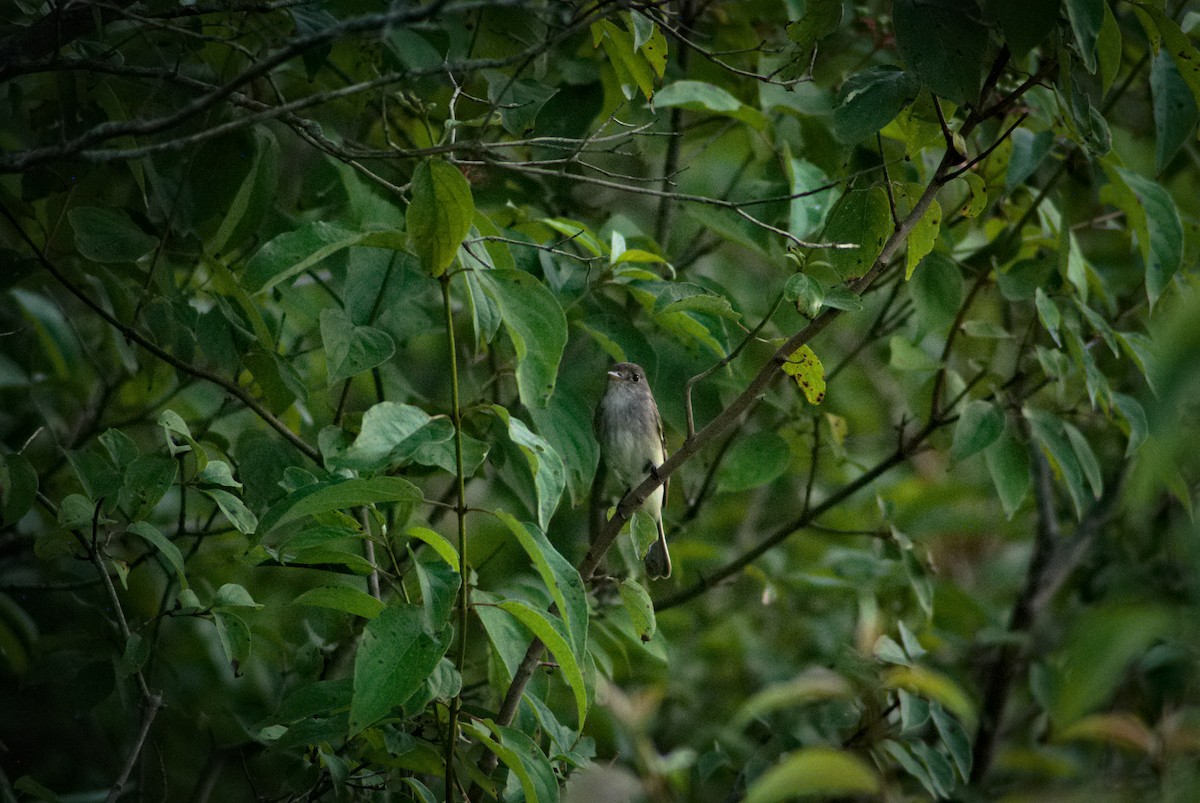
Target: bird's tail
658,559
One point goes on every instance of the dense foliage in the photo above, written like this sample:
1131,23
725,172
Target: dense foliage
307,305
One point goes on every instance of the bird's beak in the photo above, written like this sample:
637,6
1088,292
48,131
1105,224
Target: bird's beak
613,375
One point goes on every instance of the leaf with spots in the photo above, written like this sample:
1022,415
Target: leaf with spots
863,219
805,367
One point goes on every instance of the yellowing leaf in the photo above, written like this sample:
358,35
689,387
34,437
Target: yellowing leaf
934,686
805,367
922,238
977,200
822,771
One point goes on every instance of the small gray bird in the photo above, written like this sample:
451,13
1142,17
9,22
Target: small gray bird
631,438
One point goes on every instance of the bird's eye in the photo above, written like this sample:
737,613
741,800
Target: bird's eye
637,378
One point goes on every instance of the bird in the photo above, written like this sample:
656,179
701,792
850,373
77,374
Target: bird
630,432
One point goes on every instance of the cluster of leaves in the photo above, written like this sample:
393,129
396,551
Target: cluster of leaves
307,308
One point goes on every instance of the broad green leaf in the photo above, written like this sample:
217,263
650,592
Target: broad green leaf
549,629
821,18
640,608
955,738
1108,50
545,464
137,650
1175,109
699,96
75,512
1025,23
18,487
217,472
161,544
1087,18
1155,219
338,494
577,233
437,542
1097,652
1135,417
518,100
522,755
811,196
862,219
806,293
296,251
232,595
342,598
560,577
1177,43
1087,459
395,657
566,423
439,214
811,686
1048,431
922,238
394,434
1049,314
439,591
976,195
121,448
685,296
351,349
806,368
979,425
814,772
537,327
756,459
1116,729
147,480
255,195
108,235
933,686
870,99
1008,463
937,290
942,41
234,635
630,65
909,357
234,509
1029,150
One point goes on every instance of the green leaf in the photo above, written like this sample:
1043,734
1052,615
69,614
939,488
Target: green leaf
439,214
120,446
342,598
699,96
147,480
351,349
933,686
814,771
1008,463
560,577
630,65
922,238
1087,459
159,542
137,650
232,595
255,195
1175,109
537,327
1108,50
685,297
863,219
1049,314
1156,221
757,459
108,235
1097,652
955,738
937,290
640,608
18,487
979,425
1135,416
1087,17
549,629
395,657
337,494
234,509
943,42
217,472
811,196
1025,23
871,99
439,591
1177,43
522,755
234,635
75,512
545,464
1048,430
437,542
811,686
821,18
1029,150
296,251
805,292
909,357
519,101
566,423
